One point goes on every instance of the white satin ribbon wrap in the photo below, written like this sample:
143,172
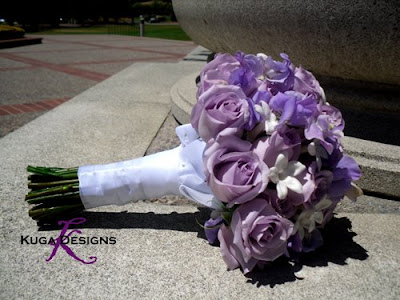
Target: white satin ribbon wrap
173,172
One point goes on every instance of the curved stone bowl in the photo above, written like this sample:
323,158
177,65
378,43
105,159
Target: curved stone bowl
358,39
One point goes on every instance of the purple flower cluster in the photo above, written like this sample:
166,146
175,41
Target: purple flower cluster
274,159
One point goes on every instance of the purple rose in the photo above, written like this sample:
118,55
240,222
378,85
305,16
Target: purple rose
306,83
220,107
284,139
279,75
217,71
234,173
241,70
294,108
256,234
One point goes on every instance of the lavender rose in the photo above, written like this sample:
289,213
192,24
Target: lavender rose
220,107
217,71
256,234
234,173
242,70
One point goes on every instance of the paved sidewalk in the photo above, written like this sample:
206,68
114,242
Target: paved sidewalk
37,78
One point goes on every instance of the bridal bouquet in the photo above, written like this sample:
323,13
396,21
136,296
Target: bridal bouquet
263,151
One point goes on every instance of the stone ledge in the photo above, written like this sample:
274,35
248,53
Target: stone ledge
183,97
348,39
20,42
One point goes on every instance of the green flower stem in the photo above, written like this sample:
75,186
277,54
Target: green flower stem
52,198
62,189
54,213
54,193
70,173
41,185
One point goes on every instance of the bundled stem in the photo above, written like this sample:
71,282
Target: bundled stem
54,193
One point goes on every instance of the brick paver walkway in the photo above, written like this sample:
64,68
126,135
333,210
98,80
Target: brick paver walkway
36,78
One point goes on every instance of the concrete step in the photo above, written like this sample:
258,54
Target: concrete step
24,41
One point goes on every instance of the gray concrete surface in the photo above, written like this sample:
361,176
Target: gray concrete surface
63,66
160,251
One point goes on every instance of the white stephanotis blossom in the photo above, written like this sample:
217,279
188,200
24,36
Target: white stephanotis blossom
308,219
268,116
262,55
284,173
316,149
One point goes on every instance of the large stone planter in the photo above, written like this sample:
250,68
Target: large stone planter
356,39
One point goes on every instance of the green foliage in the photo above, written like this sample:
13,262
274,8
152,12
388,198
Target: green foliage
167,31
11,32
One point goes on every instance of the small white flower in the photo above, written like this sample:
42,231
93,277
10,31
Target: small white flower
262,56
308,219
323,97
269,117
315,149
283,175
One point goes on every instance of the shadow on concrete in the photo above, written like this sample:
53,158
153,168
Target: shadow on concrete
124,220
371,126
338,240
338,247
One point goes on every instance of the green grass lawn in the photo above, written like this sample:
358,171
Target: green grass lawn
168,31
